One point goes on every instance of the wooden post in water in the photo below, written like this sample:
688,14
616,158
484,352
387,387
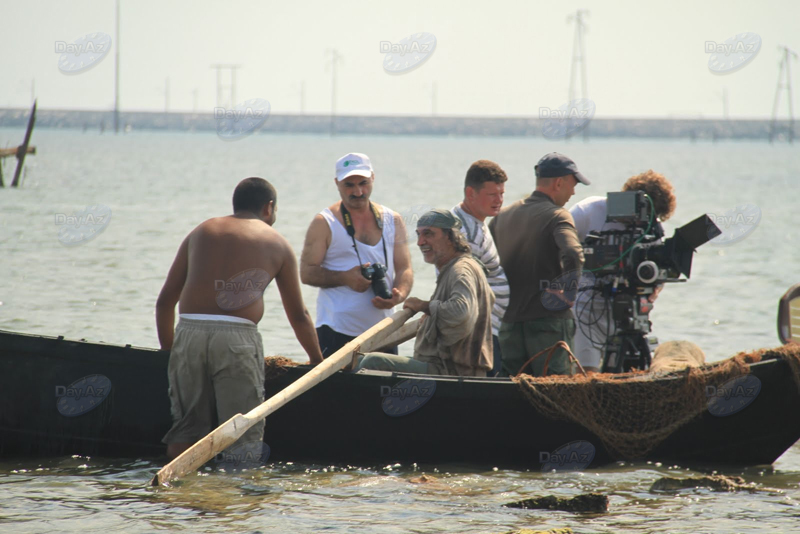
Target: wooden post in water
21,151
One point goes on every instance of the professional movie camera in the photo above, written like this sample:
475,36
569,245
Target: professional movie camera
630,262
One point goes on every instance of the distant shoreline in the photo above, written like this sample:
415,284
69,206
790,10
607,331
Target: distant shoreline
693,129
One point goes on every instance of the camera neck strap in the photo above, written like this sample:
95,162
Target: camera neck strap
351,230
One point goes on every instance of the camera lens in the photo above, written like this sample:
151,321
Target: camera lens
380,285
647,271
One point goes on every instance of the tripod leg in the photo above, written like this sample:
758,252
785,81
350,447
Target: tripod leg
612,357
644,353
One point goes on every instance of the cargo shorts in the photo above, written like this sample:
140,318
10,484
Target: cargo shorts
520,341
216,370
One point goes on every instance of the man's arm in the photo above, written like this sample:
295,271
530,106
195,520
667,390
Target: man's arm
498,281
403,274
569,246
417,305
289,287
571,254
654,295
312,273
170,295
456,317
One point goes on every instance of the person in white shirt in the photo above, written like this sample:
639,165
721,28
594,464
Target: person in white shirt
593,318
484,187
340,242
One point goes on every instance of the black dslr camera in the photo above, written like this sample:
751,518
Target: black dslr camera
376,272
630,263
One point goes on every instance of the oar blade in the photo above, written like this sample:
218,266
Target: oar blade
224,436
201,452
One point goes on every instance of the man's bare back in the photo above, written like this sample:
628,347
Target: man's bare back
223,266
221,269
230,262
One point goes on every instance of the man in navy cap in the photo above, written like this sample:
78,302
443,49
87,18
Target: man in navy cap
542,257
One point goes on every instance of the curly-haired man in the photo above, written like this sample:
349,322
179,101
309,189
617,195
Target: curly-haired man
592,310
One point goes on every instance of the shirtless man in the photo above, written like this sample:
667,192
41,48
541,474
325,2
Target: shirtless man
216,365
332,257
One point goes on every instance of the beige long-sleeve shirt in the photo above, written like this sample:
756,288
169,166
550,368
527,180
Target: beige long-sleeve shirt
456,338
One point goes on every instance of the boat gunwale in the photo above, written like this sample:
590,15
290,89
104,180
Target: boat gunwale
157,353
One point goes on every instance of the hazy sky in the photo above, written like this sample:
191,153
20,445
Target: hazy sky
504,57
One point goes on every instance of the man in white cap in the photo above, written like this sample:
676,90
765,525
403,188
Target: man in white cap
347,242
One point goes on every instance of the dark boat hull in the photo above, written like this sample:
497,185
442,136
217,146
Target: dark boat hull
347,419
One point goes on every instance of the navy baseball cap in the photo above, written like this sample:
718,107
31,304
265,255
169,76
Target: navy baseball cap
554,165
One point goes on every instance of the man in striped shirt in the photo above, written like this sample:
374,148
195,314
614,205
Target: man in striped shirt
484,187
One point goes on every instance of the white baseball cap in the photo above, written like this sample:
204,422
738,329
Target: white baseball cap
353,164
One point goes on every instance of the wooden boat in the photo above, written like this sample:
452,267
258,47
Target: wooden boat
62,397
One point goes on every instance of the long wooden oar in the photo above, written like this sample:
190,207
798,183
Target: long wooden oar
235,427
401,335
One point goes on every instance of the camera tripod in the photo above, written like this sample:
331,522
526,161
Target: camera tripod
627,348
626,351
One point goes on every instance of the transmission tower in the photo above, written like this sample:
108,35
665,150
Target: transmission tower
724,97
578,57
220,87
788,54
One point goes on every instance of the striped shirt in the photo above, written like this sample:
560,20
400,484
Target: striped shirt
484,251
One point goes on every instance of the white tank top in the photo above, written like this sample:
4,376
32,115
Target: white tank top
342,309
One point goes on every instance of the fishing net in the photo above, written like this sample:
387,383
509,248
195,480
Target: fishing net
275,366
633,413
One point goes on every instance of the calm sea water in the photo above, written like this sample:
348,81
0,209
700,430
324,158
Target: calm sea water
158,186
